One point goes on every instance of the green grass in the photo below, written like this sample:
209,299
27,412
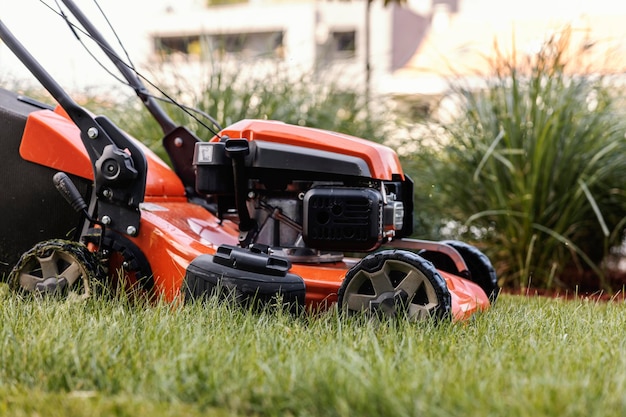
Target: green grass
525,357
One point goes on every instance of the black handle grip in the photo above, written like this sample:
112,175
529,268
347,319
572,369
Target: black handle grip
68,190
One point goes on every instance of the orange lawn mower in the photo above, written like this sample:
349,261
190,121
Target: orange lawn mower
264,210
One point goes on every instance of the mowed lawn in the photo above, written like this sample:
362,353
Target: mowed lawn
527,356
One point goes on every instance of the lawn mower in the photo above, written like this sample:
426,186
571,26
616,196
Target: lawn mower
264,211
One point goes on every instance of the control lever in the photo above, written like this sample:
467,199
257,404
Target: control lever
237,150
68,190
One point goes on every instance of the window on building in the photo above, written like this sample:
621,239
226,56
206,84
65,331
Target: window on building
224,2
186,45
340,44
253,45
344,43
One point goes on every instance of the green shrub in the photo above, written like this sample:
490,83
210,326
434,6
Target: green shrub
532,168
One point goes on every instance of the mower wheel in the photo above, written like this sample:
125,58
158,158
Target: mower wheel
395,283
481,271
59,267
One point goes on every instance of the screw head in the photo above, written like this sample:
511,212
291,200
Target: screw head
106,220
92,132
131,230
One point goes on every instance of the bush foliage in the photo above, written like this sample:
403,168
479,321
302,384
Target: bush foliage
532,166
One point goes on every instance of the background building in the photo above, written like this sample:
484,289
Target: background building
411,47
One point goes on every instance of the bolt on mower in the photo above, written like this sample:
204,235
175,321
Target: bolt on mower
264,210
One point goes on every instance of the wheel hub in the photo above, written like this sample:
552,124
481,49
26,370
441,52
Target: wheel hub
390,303
51,285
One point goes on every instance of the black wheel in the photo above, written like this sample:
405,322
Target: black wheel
481,271
395,283
245,277
56,267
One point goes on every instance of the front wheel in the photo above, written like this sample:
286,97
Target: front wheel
57,267
395,283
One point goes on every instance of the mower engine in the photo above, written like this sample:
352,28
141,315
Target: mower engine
290,190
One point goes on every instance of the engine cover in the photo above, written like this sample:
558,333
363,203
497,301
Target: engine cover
304,195
338,218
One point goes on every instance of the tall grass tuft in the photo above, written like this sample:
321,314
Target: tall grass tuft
532,167
309,99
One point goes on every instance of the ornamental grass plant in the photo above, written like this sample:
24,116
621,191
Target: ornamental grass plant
531,167
307,99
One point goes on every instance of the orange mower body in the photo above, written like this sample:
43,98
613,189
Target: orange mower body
175,231
264,212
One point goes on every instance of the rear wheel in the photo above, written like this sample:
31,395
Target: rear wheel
481,271
58,267
395,283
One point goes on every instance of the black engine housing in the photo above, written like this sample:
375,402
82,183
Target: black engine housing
339,218
303,198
